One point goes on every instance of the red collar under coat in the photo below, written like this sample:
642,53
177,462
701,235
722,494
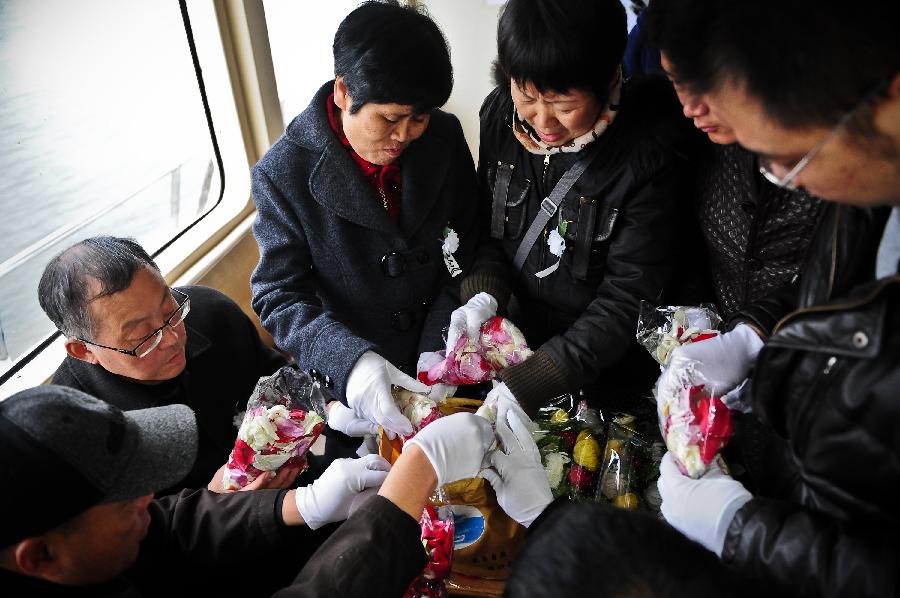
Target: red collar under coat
384,179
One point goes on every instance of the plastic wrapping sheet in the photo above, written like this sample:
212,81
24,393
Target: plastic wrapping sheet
696,424
284,417
662,328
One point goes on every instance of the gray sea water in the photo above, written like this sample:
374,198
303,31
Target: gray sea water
102,131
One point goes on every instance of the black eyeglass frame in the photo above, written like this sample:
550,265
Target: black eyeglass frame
183,309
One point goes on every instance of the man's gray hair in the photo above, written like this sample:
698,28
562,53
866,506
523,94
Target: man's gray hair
63,291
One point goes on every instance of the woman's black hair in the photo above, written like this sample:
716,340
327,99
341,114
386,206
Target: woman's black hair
679,29
807,61
561,45
391,54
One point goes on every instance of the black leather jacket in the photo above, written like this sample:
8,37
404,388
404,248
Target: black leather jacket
620,239
828,384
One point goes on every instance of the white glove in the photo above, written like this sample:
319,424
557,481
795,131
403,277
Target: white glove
701,509
500,394
369,393
344,420
330,497
497,402
517,476
469,318
721,363
455,445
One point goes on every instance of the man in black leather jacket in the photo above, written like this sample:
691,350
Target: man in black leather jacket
826,381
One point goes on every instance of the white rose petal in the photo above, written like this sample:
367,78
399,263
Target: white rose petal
554,468
260,431
270,462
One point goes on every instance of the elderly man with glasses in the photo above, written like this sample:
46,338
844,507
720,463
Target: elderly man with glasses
129,342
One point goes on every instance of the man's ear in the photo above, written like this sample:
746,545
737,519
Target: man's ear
341,99
33,557
893,89
887,111
79,350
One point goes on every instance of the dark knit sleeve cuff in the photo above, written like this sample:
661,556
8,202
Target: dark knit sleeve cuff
535,381
488,282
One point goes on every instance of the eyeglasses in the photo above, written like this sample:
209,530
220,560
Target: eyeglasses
786,181
154,338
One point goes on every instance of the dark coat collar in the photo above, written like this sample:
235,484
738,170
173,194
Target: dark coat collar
336,184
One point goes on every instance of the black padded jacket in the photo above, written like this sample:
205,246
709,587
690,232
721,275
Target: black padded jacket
621,240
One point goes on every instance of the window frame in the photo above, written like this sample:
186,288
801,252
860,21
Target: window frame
230,36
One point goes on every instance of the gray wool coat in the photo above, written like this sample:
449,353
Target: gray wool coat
324,287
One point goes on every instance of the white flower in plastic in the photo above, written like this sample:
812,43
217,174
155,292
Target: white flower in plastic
451,242
259,431
556,243
554,468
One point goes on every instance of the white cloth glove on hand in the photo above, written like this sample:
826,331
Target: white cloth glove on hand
344,420
330,497
469,318
455,445
517,475
498,400
701,509
720,363
369,393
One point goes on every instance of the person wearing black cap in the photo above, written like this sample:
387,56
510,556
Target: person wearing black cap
80,518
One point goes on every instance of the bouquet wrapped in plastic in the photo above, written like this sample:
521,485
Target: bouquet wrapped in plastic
625,458
284,417
569,440
500,344
661,329
696,424
587,457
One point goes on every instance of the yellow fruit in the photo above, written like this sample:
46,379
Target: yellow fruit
559,416
582,435
626,501
612,446
587,453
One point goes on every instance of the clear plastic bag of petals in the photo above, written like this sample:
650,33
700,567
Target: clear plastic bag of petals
499,345
284,417
662,328
694,420
437,528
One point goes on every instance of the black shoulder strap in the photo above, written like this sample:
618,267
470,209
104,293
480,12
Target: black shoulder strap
549,205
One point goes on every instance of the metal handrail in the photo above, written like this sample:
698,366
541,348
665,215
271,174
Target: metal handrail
11,263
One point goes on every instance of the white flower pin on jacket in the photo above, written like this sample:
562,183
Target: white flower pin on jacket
449,245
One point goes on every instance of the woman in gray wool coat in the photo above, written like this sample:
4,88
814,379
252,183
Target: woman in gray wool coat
366,215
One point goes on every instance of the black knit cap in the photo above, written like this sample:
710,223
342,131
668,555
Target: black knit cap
63,451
